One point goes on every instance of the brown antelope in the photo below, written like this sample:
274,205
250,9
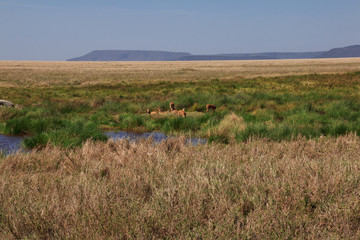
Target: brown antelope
172,106
210,107
161,112
152,112
181,113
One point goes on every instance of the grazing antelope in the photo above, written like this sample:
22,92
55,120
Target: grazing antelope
172,106
181,113
210,107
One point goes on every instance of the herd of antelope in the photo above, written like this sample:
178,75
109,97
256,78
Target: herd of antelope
180,113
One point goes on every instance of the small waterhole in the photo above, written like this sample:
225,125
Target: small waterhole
12,144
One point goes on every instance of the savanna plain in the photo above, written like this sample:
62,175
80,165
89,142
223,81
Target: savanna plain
282,159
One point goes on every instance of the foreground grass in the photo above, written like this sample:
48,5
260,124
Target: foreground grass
259,189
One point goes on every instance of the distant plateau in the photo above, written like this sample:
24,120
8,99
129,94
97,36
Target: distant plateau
145,55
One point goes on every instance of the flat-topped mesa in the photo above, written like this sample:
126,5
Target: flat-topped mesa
6,103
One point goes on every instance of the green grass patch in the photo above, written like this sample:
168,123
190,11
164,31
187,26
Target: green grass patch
276,108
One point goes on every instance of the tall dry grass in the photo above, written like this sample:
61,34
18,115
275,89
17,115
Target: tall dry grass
230,126
302,189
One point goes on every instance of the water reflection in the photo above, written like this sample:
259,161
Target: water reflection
9,144
157,137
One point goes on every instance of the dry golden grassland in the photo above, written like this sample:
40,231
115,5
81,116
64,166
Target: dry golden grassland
298,189
22,73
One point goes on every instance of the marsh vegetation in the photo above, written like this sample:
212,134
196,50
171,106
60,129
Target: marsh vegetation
67,103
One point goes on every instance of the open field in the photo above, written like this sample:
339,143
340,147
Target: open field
298,189
32,74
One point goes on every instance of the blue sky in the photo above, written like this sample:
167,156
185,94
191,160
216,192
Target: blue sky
62,29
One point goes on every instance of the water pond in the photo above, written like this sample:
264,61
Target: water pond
157,137
11,144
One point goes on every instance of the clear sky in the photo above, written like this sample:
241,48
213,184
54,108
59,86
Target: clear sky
62,29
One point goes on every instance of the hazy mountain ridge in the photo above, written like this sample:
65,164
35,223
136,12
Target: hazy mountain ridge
253,56
144,55
222,57
350,51
129,55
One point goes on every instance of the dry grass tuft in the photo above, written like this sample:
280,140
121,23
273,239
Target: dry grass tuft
231,125
97,103
123,190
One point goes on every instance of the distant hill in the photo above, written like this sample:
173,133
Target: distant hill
220,57
252,56
129,55
144,55
350,51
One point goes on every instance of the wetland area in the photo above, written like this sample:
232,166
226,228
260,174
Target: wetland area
278,158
